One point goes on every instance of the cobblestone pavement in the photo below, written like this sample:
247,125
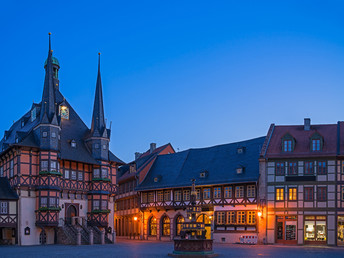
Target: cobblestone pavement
161,249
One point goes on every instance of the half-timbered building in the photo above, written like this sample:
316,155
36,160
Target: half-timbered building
227,178
127,209
63,171
304,183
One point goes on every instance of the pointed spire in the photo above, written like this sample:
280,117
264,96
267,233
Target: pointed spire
48,98
98,121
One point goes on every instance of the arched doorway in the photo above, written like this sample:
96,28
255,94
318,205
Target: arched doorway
70,213
207,224
179,221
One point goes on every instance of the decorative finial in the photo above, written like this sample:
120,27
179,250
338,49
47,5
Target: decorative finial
99,53
49,33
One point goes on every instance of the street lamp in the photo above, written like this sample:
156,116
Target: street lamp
135,218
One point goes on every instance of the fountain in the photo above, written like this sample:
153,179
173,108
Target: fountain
192,240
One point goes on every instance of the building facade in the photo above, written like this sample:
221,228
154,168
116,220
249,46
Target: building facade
227,178
127,203
302,166
62,171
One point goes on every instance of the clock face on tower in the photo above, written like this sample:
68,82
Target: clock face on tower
64,112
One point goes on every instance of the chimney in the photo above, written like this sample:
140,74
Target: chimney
137,155
152,147
307,125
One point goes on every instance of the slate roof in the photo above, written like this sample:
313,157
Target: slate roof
6,191
329,132
72,129
220,162
145,158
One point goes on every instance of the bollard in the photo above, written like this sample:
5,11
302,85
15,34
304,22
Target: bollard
114,236
91,237
102,237
78,236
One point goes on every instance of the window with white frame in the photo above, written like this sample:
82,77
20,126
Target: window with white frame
53,166
104,173
96,173
80,176
186,195
66,174
177,196
231,217
206,193
73,176
44,202
251,217
228,192
239,192
221,217
44,165
241,217
3,207
52,202
251,191
96,205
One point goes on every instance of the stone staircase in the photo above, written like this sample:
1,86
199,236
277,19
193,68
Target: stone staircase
67,234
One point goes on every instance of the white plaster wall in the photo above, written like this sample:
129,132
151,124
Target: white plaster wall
27,218
230,237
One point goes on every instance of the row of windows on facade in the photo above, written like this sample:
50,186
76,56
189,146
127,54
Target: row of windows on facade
53,202
127,187
308,193
235,217
288,145
11,168
184,195
291,168
126,204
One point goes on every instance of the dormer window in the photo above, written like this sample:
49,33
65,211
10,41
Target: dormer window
73,144
132,168
203,174
288,143
17,139
157,179
316,142
240,170
64,112
33,114
240,150
22,123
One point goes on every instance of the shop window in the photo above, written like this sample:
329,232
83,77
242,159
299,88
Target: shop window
321,168
280,170
321,193
309,193
315,228
179,222
340,230
251,217
279,194
166,226
206,193
177,196
251,191
292,168
239,192
220,217
292,194
152,226
186,195
167,196
228,192
241,217
309,168
217,192
231,217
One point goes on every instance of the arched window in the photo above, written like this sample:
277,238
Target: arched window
179,221
165,226
152,226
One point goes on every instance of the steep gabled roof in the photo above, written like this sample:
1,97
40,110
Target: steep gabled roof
6,191
219,162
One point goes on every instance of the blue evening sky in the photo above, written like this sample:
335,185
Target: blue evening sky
193,73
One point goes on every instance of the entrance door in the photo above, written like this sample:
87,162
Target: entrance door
286,229
207,224
70,213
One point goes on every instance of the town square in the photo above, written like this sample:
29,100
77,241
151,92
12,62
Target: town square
172,129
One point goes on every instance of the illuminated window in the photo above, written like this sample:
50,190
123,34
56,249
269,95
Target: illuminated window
292,194
152,226
279,194
144,197
241,218
251,217
180,220
231,217
166,226
64,112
